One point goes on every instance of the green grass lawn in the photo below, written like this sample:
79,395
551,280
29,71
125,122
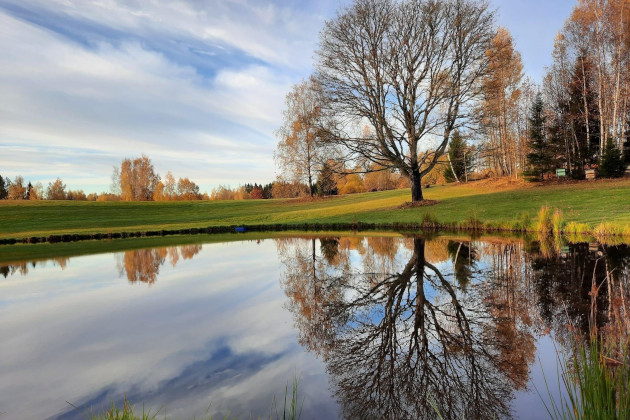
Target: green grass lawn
588,202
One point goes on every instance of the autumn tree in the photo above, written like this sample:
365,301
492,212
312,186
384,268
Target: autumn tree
158,193
170,187
410,69
256,193
187,190
56,190
16,190
36,191
350,182
288,189
76,195
136,179
379,179
502,91
300,150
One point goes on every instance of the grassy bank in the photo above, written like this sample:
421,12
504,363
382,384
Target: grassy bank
483,205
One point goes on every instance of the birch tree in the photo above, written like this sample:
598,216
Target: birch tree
299,154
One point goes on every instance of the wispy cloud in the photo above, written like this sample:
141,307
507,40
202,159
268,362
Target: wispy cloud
198,86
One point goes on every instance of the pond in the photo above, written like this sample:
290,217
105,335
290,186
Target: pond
373,327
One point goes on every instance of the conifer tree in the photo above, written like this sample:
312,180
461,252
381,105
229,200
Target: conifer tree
459,163
540,157
611,164
326,184
3,189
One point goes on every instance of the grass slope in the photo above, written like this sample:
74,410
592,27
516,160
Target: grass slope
494,204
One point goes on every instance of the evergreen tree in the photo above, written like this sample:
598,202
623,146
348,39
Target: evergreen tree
267,189
540,157
3,189
611,164
29,188
459,162
326,184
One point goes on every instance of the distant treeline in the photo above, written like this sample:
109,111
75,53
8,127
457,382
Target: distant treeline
136,180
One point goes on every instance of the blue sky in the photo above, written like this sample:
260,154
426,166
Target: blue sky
197,85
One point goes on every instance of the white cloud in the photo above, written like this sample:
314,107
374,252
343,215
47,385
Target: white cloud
122,100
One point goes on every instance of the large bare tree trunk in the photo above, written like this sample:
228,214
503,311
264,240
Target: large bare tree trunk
416,186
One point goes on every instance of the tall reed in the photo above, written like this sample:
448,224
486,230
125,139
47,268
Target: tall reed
544,224
596,373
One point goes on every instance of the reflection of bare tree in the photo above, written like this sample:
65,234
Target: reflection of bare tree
143,265
393,341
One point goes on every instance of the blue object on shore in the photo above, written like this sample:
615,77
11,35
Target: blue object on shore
241,229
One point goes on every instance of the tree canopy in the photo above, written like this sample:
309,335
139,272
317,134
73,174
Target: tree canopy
410,70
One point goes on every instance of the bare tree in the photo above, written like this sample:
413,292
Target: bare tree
411,70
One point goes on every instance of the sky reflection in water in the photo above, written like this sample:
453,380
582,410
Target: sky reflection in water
371,325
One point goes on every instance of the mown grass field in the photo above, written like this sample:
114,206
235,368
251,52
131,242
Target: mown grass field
494,204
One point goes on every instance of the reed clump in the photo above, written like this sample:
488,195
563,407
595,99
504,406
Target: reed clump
557,222
429,221
525,222
545,221
472,223
597,385
577,228
606,229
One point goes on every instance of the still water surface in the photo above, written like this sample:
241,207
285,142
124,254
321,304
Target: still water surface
373,326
